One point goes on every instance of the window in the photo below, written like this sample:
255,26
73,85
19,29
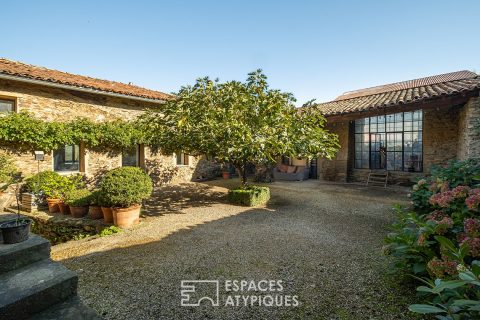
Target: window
182,159
67,158
130,158
7,105
391,142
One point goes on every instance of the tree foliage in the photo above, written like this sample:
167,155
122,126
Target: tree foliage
238,122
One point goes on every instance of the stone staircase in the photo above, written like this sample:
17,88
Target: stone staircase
377,178
32,286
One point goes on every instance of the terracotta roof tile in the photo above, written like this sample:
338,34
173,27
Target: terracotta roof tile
402,92
22,70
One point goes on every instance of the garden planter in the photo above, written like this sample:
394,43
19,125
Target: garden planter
64,208
53,205
29,202
226,175
107,214
15,231
95,212
78,212
126,217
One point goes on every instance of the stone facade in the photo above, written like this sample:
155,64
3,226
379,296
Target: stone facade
52,104
468,135
449,132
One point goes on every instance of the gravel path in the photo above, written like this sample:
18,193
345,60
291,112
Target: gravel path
322,240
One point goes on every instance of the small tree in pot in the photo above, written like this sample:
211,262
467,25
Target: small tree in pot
125,188
94,210
78,201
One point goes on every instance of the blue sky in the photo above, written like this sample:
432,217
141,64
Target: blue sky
314,49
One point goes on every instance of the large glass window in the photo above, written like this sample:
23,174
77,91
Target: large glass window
67,158
391,142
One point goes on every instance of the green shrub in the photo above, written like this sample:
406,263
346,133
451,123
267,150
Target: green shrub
95,198
8,170
249,196
49,184
124,187
78,198
109,231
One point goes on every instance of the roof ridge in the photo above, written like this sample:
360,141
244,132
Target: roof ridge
80,81
407,84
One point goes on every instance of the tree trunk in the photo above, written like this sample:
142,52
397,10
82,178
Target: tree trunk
242,172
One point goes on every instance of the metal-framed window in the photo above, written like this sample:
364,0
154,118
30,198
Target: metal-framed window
392,142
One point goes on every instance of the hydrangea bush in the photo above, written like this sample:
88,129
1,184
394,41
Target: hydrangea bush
439,241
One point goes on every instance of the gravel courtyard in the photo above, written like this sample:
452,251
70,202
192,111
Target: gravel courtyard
323,241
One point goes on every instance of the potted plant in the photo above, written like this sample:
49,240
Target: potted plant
106,207
49,186
16,230
226,171
78,201
125,188
94,209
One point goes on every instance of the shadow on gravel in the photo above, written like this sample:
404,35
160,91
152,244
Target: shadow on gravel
330,260
174,198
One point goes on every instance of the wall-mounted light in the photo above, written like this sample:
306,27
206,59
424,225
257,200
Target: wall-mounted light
39,155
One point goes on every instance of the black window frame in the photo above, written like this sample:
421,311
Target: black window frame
410,125
57,154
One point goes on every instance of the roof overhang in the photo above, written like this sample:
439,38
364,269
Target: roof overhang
76,88
433,103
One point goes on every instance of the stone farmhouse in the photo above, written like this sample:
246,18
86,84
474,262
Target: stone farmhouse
403,128
55,95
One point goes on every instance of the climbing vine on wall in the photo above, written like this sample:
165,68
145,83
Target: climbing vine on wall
24,132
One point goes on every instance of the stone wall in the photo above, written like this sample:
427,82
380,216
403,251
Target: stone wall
337,168
468,135
52,104
448,133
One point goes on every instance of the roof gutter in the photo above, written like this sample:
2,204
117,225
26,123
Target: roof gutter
75,88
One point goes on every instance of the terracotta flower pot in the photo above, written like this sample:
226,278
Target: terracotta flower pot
53,205
107,214
95,212
126,217
64,208
226,175
78,212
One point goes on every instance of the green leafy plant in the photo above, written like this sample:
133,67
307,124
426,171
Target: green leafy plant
48,184
78,198
452,299
249,195
8,170
95,198
124,187
109,231
25,132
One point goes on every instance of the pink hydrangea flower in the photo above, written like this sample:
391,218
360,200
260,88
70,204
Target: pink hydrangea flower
473,201
460,192
442,200
442,268
472,227
421,182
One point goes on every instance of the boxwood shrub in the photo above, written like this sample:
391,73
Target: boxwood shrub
124,187
249,196
78,198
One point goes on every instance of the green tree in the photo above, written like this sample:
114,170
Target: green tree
238,122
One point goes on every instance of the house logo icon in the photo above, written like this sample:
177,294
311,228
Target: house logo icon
195,292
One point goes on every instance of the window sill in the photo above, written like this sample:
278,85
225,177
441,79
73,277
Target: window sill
182,165
67,173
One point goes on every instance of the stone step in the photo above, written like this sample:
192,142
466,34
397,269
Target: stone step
71,309
18,255
33,288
